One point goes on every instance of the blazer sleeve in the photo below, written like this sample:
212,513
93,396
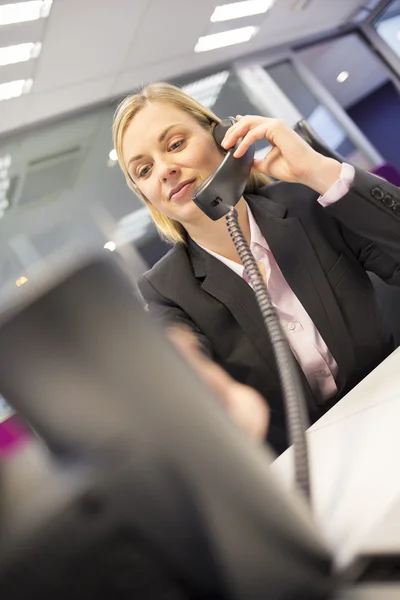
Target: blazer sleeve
370,217
169,313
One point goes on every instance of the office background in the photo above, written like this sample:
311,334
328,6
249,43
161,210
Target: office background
334,62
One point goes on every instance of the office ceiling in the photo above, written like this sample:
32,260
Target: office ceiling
95,50
349,53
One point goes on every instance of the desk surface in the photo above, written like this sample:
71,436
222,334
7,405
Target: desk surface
354,461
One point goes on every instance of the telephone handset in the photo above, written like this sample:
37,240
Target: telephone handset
226,185
217,197
224,188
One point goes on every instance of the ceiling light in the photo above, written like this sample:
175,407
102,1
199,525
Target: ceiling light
110,246
13,89
342,76
19,53
21,281
225,38
113,155
237,10
24,11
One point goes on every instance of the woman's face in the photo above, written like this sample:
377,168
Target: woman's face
168,154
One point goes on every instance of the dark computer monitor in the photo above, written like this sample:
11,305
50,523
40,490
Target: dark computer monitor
135,483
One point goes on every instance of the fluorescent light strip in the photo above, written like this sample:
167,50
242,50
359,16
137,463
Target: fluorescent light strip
238,10
19,53
24,11
207,90
207,85
13,89
225,38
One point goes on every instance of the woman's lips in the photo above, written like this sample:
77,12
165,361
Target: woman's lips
182,193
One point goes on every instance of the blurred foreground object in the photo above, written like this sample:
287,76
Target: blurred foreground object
136,483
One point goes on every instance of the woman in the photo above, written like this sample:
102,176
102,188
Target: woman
314,235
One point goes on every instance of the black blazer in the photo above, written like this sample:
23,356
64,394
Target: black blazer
324,254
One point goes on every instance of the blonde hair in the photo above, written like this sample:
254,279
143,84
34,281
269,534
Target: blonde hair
169,229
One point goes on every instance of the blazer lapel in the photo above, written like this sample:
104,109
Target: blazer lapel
300,265
302,269
229,288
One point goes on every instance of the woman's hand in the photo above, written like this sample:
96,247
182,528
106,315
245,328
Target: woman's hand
246,406
290,158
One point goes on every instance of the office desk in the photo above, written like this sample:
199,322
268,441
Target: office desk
354,461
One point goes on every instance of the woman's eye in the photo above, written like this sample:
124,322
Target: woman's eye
175,145
143,172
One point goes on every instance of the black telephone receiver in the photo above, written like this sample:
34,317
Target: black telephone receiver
226,185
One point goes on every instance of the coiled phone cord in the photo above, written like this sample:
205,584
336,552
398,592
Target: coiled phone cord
293,393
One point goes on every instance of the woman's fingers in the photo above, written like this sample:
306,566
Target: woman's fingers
239,129
253,128
257,133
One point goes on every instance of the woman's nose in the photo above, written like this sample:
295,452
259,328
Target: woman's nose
167,171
